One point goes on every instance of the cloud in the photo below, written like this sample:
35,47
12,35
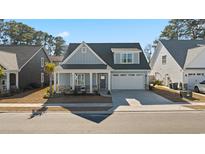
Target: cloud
64,34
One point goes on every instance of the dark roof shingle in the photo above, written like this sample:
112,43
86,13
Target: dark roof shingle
103,50
178,48
23,53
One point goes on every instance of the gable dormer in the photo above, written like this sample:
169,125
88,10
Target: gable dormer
126,55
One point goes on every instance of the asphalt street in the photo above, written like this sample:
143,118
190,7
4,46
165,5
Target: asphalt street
118,122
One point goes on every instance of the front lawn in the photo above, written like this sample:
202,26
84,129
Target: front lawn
196,107
31,96
174,95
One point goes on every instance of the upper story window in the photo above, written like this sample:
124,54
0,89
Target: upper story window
164,60
126,58
42,61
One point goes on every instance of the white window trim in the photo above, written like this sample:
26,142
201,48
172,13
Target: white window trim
165,59
42,62
121,56
42,77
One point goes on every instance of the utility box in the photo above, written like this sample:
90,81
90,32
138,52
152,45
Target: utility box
186,94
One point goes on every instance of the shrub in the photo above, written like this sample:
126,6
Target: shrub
157,82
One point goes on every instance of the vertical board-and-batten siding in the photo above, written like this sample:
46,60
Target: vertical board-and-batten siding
87,57
135,58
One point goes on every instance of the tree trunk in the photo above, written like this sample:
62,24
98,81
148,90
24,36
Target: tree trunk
50,75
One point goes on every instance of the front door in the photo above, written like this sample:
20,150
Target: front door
12,80
102,81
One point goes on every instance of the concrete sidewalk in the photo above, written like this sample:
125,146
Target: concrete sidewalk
121,108
152,108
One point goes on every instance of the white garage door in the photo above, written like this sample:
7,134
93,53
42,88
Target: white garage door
128,81
195,78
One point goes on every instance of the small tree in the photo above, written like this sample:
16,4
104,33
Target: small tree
49,68
1,72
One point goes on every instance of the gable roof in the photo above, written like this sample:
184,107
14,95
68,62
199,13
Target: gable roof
103,50
179,48
8,61
23,52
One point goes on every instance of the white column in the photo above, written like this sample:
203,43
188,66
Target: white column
58,81
91,82
109,78
73,81
54,81
8,81
17,80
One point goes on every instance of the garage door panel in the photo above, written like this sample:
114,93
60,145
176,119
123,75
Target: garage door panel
128,81
194,78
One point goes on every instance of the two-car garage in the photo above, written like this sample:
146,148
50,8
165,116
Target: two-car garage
128,81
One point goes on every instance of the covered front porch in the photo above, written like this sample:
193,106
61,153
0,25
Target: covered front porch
9,81
81,81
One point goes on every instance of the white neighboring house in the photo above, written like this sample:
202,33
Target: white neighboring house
179,61
102,66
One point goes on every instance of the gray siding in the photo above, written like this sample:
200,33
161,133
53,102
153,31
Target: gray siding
117,58
31,72
136,58
84,58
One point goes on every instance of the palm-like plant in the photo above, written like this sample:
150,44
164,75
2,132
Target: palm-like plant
49,68
1,72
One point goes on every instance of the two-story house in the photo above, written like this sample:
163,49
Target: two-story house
102,66
179,61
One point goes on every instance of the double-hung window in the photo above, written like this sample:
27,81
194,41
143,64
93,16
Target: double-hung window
80,79
164,60
42,62
126,58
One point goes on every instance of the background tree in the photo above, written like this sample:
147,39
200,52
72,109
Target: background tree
148,52
1,72
17,33
49,68
59,46
174,30
184,29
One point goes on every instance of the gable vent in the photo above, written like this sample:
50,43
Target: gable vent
83,49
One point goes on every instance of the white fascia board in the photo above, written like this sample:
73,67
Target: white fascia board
138,70
126,50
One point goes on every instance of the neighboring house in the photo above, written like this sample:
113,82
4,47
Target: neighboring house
23,65
102,66
179,61
56,59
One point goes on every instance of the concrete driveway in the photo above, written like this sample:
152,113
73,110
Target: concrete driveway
138,98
